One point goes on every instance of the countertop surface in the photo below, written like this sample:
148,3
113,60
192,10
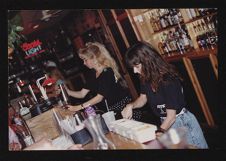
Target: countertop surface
44,125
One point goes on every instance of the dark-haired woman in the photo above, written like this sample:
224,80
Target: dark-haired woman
161,88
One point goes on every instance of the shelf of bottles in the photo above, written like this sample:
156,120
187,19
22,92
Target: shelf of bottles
178,31
203,22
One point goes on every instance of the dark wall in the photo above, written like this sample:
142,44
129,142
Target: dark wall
190,95
208,82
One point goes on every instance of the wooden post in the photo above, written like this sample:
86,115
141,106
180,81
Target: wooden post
134,25
119,57
214,62
198,91
120,28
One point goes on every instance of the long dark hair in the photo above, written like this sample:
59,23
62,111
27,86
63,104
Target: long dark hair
154,67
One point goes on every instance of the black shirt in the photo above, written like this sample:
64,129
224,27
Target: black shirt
169,95
106,86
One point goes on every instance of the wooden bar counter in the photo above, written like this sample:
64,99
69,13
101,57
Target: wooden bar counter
43,125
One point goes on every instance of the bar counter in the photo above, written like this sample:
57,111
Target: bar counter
43,125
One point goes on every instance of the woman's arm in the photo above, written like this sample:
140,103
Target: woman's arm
170,119
139,102
127,112
77,94
98,98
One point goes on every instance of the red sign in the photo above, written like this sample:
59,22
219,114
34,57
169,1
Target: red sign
32,49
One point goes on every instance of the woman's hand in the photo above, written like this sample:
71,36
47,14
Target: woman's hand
127,112
74,108
159,134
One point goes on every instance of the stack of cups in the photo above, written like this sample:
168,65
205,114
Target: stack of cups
108,116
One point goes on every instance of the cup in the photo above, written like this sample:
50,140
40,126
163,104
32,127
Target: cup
108,118
174,138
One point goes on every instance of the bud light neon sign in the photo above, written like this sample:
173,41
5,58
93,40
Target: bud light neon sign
32,49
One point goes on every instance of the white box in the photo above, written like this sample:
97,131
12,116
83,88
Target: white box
135,130
144,133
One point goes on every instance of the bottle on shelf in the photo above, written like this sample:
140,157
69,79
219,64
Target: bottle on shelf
172,41
192,12
28,139
24,111
154,23
170,18
176,16
163,22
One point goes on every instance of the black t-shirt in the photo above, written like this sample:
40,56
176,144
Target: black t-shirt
106,86
168,96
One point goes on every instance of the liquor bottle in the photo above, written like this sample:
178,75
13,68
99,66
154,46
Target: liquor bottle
199,28
162,22
189,14
197,12
181,45
166,20
153,23
28,139
201,11
209,40
176,17
157,18
24,111
161,48
204,26
172,42
185,38
17,119
193,13
170,18
167,42
201,42
194,29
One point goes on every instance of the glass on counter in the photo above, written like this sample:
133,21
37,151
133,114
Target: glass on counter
100,142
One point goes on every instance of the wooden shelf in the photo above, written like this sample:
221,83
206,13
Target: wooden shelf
194,54
200,17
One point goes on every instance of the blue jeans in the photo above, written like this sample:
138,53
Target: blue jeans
194,132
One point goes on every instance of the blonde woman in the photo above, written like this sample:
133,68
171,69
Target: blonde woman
105,81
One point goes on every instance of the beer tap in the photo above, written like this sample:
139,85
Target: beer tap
41,88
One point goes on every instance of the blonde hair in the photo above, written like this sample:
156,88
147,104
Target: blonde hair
101,55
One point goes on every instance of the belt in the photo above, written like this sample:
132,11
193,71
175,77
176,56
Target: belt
181,112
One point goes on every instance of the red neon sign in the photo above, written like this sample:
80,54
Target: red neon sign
32,49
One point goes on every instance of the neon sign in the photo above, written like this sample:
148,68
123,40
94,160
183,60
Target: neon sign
32,49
